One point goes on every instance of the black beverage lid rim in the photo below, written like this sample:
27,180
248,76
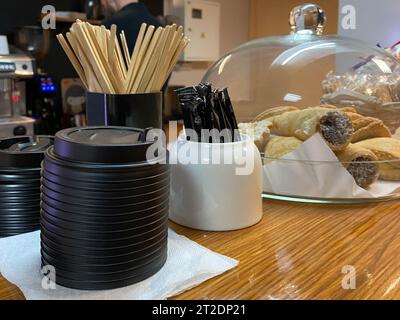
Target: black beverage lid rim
21,181
16,227
111,270
72,150
23,211
91,177
127,239
105,203
102,261
90,212
120,215
93,253
75,227
129,235
52,156
61,241
85,186
109,285
19,159
20,171
103,245
20,220
106,223
102,195
84,206
22,187
18,200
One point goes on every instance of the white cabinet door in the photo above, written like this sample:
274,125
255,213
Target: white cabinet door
202,26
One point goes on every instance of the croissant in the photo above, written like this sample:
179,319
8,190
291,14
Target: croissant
361,163
334,126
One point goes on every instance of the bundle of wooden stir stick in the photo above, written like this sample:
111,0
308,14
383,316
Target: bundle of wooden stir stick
105,67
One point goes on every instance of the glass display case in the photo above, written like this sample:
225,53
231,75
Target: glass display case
305,83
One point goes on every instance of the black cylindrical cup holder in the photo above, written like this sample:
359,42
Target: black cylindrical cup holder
142,110
20,160
104,208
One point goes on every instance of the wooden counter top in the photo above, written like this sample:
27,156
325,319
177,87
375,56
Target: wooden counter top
298,251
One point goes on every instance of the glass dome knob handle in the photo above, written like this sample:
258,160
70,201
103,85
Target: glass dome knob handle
307,18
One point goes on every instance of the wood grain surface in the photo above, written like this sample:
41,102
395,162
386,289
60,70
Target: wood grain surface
299,251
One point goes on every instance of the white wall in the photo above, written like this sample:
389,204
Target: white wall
377,21
235,15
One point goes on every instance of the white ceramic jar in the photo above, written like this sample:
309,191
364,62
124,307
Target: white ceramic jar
215,187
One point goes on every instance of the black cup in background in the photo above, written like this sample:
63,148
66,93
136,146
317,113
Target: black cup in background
125,110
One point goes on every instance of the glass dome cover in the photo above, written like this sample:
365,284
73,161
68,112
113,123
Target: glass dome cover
305,69
308,70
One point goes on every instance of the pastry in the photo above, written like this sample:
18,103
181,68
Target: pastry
274,112
389,172
348,109
354,116
367,128
361,163
259,131
334,126
278,147
387,150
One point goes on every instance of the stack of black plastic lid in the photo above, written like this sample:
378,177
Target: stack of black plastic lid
104,208
20,160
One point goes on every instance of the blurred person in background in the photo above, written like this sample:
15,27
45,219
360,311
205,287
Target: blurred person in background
127,15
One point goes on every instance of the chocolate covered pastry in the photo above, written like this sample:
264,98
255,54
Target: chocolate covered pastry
388,151
361,163
334,126
278,147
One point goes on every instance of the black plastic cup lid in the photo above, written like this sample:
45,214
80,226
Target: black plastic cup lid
110,216
108,285
16,201
126,180
23,152
20,179
68,258
72,221
102,272
102,145
65,245
97,211
105,188
19,227
19,220
103,171
105,254
78,205
17,187
103,243
93,232
18,208
129,235
104,196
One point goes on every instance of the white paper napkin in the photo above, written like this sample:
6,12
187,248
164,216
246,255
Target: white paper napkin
188,265
318,179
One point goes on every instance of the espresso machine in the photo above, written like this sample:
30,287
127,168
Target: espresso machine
15,68
41,90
